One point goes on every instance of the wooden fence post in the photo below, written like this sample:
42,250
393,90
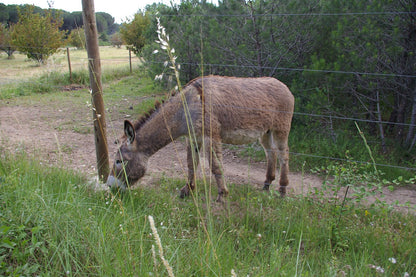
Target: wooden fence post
69,64
131,69
94,65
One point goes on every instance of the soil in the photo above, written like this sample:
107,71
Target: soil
60,135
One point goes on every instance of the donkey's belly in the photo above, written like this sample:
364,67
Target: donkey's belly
240,136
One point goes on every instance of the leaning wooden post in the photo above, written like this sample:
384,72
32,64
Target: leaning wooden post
91,34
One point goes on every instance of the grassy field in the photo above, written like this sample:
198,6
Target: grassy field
20,68
53,224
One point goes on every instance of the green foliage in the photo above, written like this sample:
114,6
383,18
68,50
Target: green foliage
133,33
105,23
71,20
37,36
77,38
9,14
6,40
53,223
20,248
324,149
116,40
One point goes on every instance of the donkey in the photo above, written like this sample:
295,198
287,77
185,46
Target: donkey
211,110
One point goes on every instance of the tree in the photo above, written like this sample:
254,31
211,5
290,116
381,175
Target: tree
133,33
72,21
4,14
77,38
116,40
379,48
352,59
6,40
37,35
105,22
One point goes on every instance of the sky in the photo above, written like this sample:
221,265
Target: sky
119,9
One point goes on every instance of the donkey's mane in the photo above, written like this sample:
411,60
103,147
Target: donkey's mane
145,117
142,119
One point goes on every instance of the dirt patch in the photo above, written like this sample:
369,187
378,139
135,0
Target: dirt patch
58,135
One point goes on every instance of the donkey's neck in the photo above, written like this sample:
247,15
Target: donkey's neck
160,129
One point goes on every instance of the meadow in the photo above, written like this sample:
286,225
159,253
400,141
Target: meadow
54,222
20,68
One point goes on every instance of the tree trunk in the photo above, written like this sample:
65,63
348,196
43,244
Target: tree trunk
380,125
411,132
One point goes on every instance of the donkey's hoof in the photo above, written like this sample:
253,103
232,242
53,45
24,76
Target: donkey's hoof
282,191
184,192
266,186
221,195
220,199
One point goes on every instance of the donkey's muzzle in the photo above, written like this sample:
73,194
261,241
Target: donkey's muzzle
114,183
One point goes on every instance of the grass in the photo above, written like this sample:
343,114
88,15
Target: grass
53,223
20,67
22,77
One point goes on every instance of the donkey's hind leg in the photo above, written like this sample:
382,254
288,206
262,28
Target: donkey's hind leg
270,149
281,140
192,158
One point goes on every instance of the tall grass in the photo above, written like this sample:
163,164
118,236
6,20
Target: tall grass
53,223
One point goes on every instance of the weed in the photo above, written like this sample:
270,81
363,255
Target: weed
20,249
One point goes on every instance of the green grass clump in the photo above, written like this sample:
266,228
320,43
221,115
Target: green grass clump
53,223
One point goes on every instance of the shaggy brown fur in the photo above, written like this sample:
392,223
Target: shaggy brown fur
218,109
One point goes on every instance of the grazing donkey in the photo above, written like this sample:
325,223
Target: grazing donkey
211,110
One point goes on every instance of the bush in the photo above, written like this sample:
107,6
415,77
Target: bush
77,38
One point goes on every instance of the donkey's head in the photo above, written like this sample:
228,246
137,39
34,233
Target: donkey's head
129,163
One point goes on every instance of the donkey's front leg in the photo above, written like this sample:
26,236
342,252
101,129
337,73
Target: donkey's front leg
215,161
192,160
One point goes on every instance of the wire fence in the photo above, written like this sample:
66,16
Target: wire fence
311,14
63,62
58,64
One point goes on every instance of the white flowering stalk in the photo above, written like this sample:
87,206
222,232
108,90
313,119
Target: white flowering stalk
163,41
159,245
154,256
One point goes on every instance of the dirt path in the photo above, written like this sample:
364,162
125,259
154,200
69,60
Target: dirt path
52,133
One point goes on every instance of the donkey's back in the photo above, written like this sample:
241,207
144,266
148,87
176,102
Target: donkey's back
244,108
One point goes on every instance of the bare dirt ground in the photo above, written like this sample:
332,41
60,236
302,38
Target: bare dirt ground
58,134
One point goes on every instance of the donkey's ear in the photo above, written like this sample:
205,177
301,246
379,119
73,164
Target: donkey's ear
129,131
